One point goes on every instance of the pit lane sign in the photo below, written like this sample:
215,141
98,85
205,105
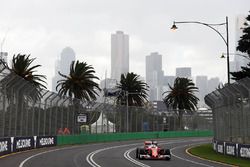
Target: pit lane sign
82,118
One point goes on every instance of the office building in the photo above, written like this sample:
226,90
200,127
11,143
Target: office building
119,55
63,65
183,72
201,84
154,75
3,56
213,84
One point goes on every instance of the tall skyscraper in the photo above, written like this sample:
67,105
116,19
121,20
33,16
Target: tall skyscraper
201,83
154,75
183,72
168,80
119,55
63,65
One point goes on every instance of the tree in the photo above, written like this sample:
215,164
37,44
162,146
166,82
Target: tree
21,65
79,83
28,89
244,42
244,46
181,98
133,90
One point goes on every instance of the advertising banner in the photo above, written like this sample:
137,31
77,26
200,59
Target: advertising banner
244,150
5,146
23,143
220,147
231,149
45,141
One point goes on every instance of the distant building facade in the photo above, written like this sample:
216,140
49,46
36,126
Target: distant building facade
183,72
119,55
4,56
213,84
202,85
63,65
168,80
154,75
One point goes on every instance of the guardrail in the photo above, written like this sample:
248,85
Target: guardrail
108,137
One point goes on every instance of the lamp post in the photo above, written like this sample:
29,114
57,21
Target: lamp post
226,40
237,54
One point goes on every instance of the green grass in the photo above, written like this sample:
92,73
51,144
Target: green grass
206,151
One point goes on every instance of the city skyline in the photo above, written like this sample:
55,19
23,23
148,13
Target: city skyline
86,27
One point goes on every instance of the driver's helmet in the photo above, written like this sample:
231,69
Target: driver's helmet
154,143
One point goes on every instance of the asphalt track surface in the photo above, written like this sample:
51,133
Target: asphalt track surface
115,154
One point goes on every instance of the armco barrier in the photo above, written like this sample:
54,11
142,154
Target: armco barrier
108,137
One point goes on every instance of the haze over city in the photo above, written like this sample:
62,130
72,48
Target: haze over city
44,28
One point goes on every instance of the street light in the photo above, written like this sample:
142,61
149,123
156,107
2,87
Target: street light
226,41
237,54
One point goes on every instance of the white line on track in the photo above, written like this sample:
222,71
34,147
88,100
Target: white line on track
27,159
184,159
127,156
91,161
90,156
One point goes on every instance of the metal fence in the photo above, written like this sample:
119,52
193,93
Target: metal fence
26,110
231,112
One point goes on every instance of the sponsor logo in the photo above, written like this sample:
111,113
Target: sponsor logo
23,143
220,148
46,141
3,146
230,150
245,152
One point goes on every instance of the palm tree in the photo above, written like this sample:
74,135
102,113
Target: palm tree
181,97
79,83
31,85
21,65
133,90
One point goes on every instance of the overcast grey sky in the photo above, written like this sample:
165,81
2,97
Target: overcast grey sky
43,28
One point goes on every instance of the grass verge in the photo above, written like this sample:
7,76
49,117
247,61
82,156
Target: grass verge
206,151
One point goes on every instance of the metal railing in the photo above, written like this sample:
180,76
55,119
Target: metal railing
231,112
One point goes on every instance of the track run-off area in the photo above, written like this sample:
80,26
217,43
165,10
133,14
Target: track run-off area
113,154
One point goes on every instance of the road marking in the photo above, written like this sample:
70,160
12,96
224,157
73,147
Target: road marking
27,159
204,159
184,159
127,156
90,156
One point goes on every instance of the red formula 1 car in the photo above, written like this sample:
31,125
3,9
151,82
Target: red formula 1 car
152,151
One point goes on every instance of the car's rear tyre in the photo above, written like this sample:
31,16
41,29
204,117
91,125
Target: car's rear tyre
167,152
140,151
137,153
